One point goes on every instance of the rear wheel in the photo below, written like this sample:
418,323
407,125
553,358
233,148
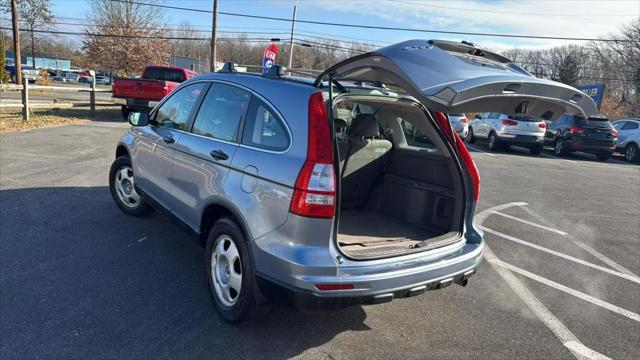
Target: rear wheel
535,150
470,138
229,271
122,186
632,153
494,143
558,147
603,156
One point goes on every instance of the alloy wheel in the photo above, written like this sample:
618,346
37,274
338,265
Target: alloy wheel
557,149
630,153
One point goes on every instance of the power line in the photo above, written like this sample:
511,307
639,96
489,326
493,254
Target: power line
391,28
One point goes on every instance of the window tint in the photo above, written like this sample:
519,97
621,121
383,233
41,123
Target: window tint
494,115
174,113
619,125
523,118
594,122
264,129
630,125
415,137
221,111
164,74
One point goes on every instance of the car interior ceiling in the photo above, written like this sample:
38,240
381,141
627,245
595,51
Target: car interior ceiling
398,185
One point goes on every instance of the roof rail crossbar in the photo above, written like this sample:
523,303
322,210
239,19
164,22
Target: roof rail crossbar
275,70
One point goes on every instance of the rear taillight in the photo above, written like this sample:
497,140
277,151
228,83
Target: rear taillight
575,130
509,122
614,132
314,192
466,158
542,125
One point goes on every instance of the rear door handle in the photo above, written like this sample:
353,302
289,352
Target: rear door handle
168,139
219,155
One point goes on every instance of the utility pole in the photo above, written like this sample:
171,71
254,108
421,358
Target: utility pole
214,34
293,29
16,42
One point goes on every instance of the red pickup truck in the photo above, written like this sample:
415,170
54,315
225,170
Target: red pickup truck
156,82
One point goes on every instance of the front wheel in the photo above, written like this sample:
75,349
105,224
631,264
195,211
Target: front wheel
229,271
603,156
632,153
122,186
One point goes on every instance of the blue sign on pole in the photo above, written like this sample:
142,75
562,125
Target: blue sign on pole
596,92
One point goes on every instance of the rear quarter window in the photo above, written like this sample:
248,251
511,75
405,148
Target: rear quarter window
415,137
264,129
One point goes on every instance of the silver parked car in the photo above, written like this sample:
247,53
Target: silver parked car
628,138
324,191
501,130
460,124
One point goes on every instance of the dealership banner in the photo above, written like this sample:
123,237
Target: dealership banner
269,57
596,92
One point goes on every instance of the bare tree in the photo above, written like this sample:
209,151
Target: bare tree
36,15
125,36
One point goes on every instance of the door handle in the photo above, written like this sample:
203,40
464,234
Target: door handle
168,139
219,155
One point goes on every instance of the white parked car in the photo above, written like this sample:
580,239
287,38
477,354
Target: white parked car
72,77
460,124
103,80
502,130
628,138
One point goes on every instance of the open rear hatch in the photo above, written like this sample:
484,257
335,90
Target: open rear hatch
444,77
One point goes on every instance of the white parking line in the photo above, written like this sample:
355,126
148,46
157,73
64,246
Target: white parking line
582,245
531,223
482,151
558,158
568,339
624,312
564,256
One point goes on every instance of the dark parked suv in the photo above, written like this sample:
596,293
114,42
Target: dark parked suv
593,135
325,190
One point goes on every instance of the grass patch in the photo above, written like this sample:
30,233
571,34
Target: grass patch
11,120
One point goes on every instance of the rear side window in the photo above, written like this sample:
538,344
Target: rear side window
174,113
630,125
221,112
264,129
415,137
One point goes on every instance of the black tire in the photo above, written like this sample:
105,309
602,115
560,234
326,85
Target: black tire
470,139
494,143
535,150
226,230
603,156
125,112
632,153
559,148
141,208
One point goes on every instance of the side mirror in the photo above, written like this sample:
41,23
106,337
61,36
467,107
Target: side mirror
138,118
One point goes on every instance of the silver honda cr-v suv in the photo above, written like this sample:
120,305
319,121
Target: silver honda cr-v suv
351,188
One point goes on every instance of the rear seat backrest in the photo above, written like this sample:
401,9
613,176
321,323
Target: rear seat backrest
365,162
340,127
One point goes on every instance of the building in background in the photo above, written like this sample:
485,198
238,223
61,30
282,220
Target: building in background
41,62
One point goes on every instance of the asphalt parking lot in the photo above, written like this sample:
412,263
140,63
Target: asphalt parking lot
80,279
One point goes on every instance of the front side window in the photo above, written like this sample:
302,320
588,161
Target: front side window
619,125
174,113
221,112
264,129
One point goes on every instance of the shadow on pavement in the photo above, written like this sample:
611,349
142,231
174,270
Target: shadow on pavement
81,279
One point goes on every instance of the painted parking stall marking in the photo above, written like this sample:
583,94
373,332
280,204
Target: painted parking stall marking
509,272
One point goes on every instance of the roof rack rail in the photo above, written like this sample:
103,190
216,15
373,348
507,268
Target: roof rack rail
228,67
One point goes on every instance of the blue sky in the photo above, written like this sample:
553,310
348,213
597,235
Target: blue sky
572,18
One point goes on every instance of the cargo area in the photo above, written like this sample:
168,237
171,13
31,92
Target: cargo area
399,189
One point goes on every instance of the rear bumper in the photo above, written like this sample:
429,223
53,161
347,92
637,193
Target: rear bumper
525,140
578,145
288,268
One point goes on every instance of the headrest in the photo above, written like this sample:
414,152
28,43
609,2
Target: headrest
365,125
339,124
